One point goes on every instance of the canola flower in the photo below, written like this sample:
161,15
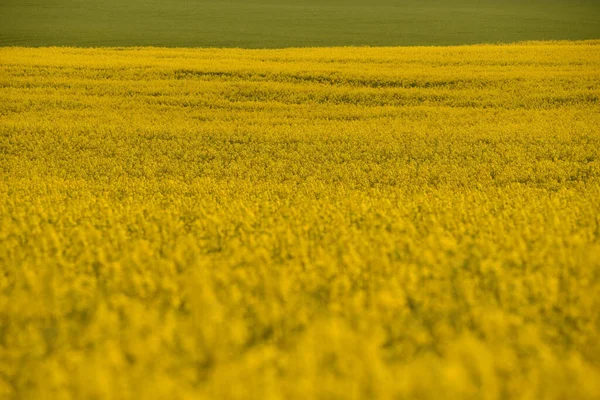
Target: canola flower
339,223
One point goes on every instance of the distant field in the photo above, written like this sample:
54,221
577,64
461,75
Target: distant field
339,223
289,23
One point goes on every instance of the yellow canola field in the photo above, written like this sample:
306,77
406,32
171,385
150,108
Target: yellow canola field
336,223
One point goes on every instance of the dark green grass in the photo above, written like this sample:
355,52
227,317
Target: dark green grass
290,23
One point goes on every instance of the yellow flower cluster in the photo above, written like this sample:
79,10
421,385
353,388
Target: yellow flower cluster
339,223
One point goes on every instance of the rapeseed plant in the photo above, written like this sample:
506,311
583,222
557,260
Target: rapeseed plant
305,223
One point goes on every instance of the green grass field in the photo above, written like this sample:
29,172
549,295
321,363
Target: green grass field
292,23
